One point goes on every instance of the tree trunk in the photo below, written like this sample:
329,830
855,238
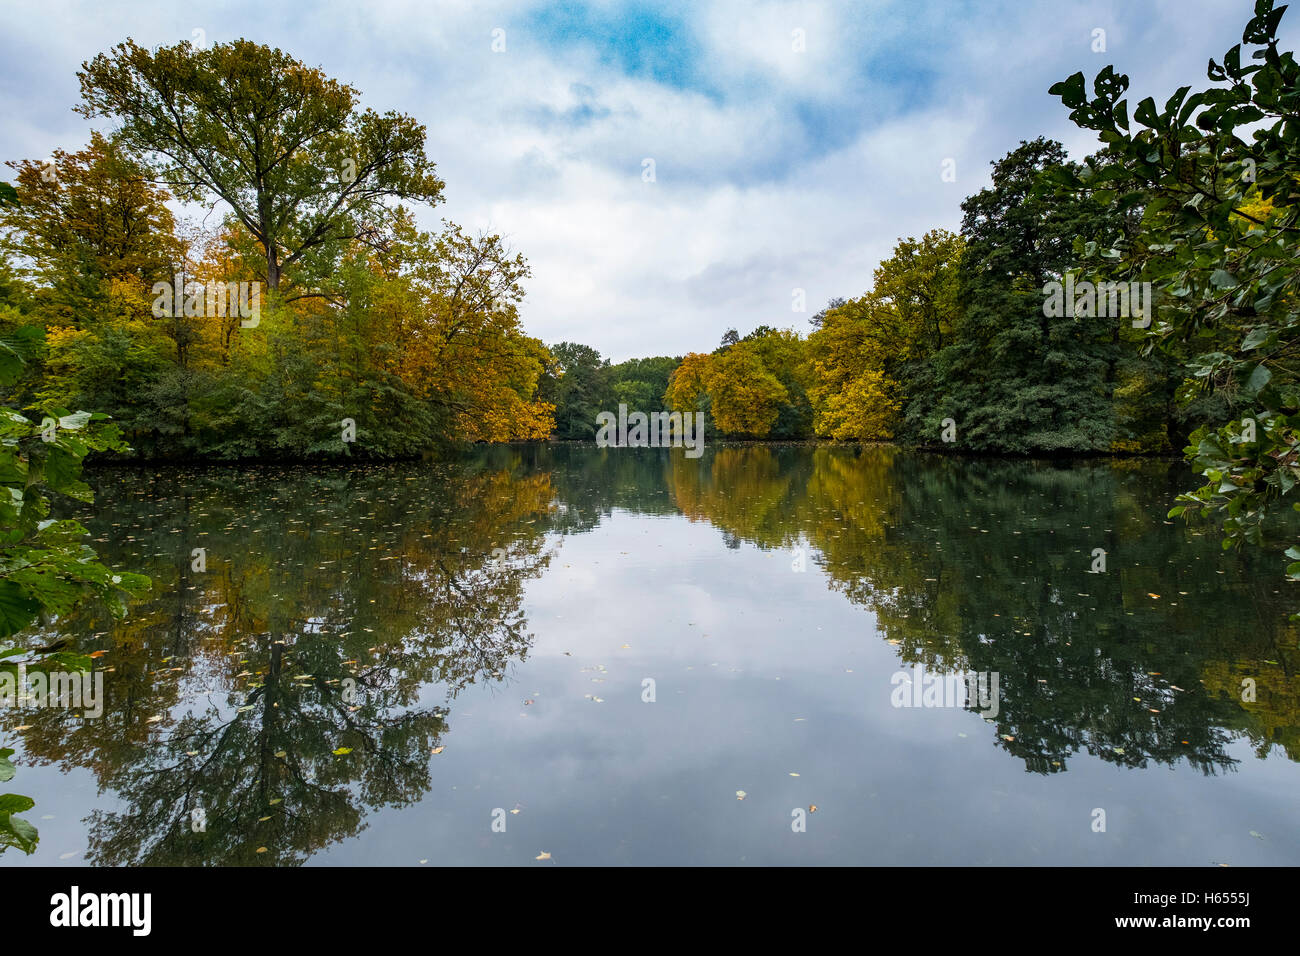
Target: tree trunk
272,267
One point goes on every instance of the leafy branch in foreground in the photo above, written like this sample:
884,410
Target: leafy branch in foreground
1216,175
46,567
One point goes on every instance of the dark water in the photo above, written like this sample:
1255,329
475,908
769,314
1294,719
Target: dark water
507,611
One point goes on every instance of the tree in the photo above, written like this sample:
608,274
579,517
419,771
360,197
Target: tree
575,384
1013,377
783,354
90,227
284,146
852,397
1214,173
865,352
831,304
918,284
745,398
688,387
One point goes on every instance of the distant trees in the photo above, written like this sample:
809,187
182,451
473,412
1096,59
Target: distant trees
580,384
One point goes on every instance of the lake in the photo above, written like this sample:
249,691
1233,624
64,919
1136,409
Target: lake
563,655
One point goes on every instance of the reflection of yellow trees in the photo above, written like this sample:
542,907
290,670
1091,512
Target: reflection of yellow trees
329,603
854,499
1273,718
745,491
984,565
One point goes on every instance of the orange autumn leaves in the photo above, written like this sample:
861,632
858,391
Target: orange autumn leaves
446,308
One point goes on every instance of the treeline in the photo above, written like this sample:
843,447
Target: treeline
1140,301
580,384
955,343
313,318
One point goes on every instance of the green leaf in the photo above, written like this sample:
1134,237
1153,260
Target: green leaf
1257,337
17,609
1258,378
15,831
15,803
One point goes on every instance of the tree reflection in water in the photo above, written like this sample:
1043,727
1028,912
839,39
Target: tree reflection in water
304,677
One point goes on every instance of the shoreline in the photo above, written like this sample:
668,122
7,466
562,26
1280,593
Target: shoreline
109,463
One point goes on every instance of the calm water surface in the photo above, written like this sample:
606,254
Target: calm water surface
378,663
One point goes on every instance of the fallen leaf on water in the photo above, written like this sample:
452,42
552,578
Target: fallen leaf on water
342,750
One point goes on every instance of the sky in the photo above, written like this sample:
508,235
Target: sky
792,143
